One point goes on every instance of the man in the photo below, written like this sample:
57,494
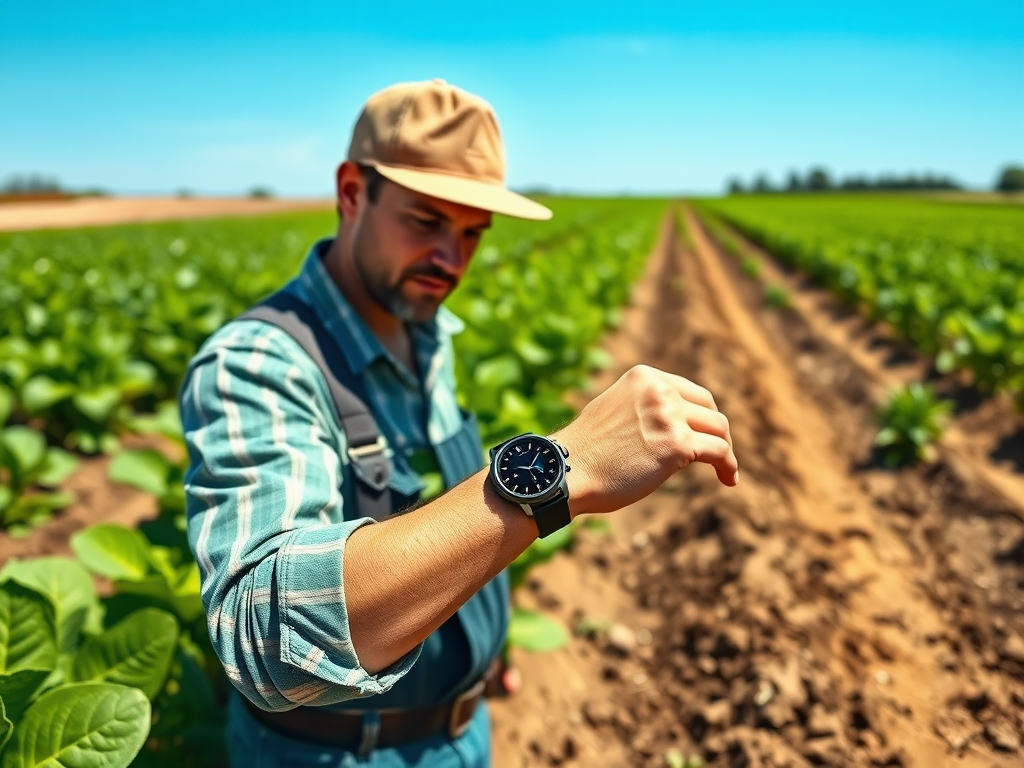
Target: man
355,635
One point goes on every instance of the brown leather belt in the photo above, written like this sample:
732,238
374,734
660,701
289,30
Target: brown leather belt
361,731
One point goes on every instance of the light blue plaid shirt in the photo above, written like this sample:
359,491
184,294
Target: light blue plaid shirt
268,511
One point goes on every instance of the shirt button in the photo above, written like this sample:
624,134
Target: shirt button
400,441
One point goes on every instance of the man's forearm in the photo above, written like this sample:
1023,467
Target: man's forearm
404,577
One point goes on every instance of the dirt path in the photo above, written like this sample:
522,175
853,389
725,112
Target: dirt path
825,612
97,499
100,211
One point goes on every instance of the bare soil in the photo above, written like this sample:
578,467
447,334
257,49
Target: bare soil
826,611
101,211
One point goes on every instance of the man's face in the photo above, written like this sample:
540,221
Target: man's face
412,250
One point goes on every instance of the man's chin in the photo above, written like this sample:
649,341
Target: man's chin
421,310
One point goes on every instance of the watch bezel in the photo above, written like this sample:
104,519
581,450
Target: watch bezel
528,498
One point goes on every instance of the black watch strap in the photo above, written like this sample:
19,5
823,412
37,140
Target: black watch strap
552,516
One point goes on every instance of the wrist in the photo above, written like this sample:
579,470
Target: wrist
578,479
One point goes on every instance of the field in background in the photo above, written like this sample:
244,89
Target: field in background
828,611
949,277
107,211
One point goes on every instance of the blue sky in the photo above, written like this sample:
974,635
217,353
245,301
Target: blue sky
599,97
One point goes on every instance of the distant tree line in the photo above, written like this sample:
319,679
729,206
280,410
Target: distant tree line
819,180
31,184
1010,179
37,185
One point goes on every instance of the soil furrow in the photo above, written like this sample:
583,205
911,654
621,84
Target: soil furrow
820,613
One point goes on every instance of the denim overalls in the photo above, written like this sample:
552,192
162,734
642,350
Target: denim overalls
452,658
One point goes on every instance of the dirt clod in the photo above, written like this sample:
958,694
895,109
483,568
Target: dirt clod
621,639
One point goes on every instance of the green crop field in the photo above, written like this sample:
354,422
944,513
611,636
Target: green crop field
99,325
101,322
948,276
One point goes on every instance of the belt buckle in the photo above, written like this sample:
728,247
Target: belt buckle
372,449
455,728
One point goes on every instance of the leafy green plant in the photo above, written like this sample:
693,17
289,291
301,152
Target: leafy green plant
912,421
674,758
187,709
945,275
751,267
150,470
149,637
29,473
776,296
71,692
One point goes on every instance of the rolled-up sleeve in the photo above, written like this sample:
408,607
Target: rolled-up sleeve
265,521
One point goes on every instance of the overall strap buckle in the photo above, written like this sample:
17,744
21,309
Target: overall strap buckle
372,463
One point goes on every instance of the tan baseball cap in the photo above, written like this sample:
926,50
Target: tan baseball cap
434,138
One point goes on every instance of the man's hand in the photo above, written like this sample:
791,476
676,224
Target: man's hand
631,438
406,575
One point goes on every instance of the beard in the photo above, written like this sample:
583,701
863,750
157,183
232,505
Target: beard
396,294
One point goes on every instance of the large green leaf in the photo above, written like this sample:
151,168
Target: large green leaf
18,688
166,421
28,635
146,469
498,372
87,725
112,551
57,467
6,726
137,652
40,392
26,445
181,599
97,403
69,588
534,631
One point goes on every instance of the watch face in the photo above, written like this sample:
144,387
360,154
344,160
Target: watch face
529,466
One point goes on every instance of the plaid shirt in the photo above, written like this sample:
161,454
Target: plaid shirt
268,513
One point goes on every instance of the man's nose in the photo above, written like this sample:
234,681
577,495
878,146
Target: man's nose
447,254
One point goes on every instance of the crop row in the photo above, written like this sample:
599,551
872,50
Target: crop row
947,276
100,323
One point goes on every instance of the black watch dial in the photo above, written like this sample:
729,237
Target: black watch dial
529,466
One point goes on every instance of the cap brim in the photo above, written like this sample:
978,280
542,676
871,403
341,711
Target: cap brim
459,189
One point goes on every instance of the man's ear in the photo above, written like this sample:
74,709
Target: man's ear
350,187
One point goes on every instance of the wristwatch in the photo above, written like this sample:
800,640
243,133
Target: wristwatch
529,470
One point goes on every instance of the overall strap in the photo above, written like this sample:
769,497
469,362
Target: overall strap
366,446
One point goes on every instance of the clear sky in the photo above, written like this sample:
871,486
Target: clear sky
601,97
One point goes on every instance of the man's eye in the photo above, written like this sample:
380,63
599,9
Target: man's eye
425,224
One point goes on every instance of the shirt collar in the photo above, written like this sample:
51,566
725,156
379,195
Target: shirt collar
358,342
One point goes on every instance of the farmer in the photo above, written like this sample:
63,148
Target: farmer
350,632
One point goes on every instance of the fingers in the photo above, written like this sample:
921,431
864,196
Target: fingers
701,419
713,450
689,391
